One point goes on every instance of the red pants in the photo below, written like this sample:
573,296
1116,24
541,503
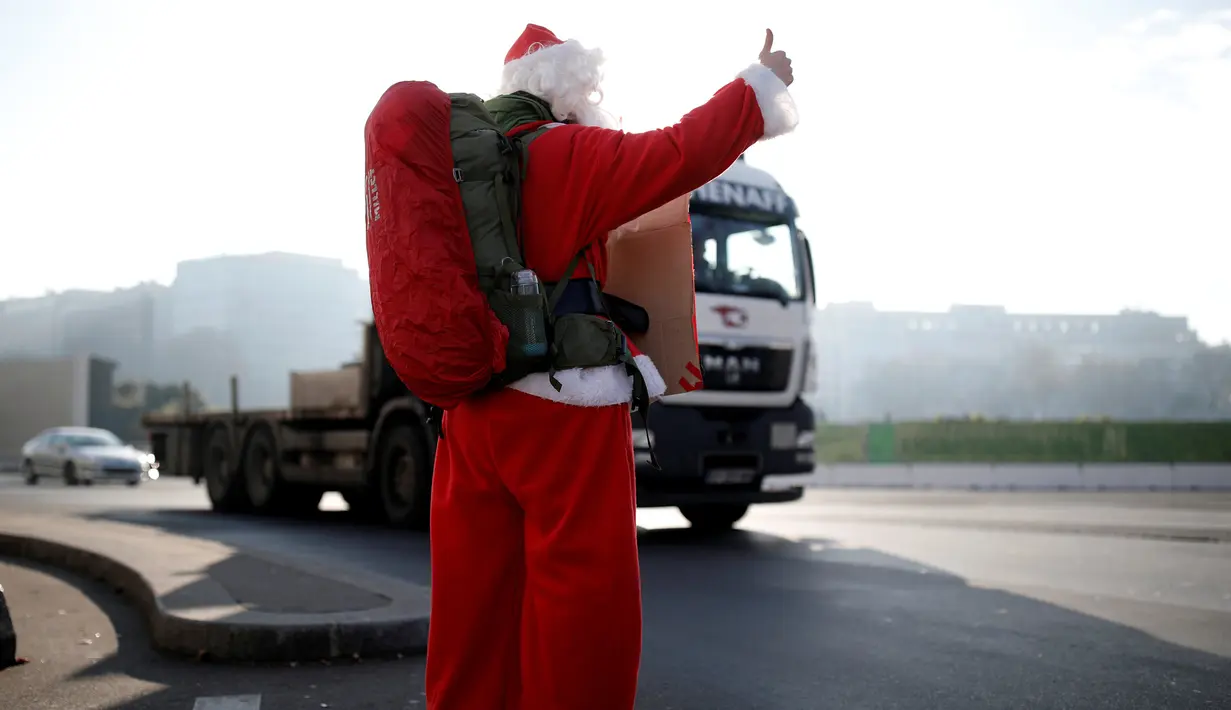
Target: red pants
536,590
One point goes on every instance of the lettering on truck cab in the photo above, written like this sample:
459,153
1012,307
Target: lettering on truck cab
721,192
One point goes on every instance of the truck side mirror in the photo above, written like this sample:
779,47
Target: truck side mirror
811,272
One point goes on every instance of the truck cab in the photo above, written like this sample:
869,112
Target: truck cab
746,436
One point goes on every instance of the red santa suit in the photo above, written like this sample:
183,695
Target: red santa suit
536,593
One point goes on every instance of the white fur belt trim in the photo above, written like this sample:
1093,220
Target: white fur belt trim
593,386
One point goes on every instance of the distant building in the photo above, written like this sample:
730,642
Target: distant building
40,393
852,337
256,316
124,325
280,312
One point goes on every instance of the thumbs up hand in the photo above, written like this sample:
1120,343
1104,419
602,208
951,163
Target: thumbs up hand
776,61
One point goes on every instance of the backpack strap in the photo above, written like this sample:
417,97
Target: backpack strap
554,298
641,403
435,419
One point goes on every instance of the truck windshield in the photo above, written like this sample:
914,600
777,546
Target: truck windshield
746,258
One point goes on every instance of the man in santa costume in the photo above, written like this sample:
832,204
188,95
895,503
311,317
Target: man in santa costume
536,592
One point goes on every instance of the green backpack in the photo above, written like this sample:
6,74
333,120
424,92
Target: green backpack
547,331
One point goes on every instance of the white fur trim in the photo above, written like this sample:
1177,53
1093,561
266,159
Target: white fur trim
777,107
593,386
567,76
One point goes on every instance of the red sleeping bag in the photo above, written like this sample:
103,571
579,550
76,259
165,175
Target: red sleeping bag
436,327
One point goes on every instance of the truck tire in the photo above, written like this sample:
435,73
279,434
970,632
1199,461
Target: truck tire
714,518
268,492
403,477
227,493
70,475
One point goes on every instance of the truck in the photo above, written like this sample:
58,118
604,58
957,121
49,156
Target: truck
745,437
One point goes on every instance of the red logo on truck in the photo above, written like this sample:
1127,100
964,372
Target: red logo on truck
731,316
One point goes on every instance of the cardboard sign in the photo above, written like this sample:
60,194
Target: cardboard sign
650,263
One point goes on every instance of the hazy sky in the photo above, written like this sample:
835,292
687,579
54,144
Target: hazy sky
1041,154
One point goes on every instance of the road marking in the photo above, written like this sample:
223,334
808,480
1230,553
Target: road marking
229,702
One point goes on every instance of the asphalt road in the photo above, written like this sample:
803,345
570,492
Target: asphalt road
845,600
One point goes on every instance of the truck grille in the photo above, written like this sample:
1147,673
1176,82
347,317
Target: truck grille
745,369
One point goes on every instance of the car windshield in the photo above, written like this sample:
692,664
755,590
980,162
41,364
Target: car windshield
745,258
78,441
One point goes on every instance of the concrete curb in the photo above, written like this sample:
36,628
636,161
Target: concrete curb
1057,477
219,628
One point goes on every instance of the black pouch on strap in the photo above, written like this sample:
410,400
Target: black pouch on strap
631,318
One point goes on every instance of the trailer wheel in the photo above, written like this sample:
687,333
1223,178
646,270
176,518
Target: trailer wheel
404,478
714,518
226,490
259,470
267,491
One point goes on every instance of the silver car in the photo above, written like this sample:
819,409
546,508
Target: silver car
83,455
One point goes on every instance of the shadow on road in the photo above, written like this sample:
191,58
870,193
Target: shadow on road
322,535
162,682
750,620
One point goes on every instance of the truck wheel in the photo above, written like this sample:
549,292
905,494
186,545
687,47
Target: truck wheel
403,478
227,493
714,518
70,474
262,476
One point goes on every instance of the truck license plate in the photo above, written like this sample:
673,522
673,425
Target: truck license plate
730,476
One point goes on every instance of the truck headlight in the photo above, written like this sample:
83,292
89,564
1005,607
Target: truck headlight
806,439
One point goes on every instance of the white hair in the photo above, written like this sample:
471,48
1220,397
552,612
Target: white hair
567,76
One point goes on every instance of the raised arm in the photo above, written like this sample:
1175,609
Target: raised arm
628,174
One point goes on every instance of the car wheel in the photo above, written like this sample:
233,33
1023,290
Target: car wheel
27,470
70,474
714,518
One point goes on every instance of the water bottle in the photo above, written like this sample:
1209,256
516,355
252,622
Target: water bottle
526,283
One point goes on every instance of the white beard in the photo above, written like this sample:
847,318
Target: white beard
595,115
566,76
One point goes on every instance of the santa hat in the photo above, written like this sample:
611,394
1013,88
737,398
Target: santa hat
532,39
562,72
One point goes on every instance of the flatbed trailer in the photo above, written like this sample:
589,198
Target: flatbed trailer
356,430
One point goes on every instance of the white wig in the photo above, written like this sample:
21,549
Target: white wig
567,76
